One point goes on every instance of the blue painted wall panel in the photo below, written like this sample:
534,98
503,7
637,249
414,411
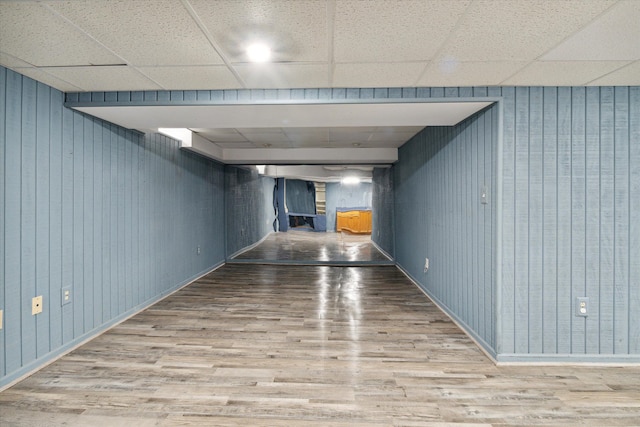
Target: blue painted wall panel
382,229
82,208
438,214
340,195
249,207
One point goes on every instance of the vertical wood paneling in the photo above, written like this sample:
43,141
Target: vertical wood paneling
521,217
607,168
74,197
621,222
550,221
89,222
42,255
535,220
78,226
438,177
578,195
28,218
507,317
592,215
563,296
634,219
12,250
3,157
55,219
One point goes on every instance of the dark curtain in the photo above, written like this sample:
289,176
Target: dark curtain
301,196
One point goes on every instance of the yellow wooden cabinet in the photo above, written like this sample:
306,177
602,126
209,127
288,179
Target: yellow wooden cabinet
355,221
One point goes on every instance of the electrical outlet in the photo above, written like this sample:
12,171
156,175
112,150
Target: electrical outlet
1,313
198,250
426,264
65,295
36,305
484,195
582,306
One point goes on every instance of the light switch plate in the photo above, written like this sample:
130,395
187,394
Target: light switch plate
1,314
484,195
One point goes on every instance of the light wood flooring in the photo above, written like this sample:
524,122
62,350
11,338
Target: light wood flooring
284,345
314,247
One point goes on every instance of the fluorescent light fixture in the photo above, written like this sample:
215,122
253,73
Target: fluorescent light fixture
350,180
181,134
259,52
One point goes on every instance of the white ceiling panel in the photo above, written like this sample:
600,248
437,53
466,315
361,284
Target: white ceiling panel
507,30
194,78
280,76
103,78
562,73
295,30
377,75
11,61
448,72
239,144
613,36
625,76
389,31
33,33
41,76
221,135
150,32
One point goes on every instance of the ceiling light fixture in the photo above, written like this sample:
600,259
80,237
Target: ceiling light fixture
350,180
258,52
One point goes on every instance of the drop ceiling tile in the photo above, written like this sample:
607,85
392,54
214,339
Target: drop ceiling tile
398,137
150,32
517,30
626,76
562,73
613,36
32,33
295,30
221,135
447,72
274,144
103,78
11,61
268,138
194,78
238,144
281,76
385,31
254,131
48,79
377,75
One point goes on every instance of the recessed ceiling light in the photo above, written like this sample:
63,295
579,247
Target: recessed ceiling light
356,144
258,52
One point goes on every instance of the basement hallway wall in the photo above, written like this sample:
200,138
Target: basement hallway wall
439,215
110,214
250,211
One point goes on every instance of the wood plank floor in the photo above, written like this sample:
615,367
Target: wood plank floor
319,247
307,346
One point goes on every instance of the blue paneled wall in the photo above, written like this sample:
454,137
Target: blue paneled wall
250,214
382,212
439,215
340,195
111,214
571,222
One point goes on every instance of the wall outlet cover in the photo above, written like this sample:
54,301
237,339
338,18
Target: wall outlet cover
1,313
582,306
36,305
65,295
